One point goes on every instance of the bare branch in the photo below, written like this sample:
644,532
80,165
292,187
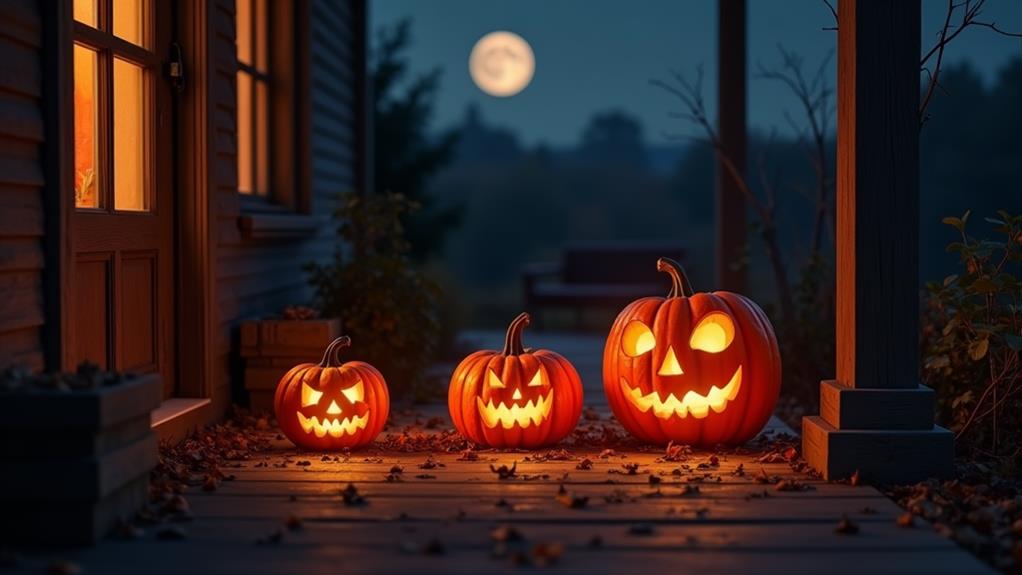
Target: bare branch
833,12
814,95
971,9
994,27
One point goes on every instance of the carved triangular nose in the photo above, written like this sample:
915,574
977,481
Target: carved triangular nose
517,395
334,409
670,365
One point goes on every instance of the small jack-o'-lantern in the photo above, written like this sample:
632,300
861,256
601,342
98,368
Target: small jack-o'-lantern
516,397
695,368
330,405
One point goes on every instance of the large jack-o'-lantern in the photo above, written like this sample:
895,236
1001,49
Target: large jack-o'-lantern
695,368
516,397
330,405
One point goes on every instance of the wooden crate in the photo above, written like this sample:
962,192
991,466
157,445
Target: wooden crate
75,463
305,339
273,346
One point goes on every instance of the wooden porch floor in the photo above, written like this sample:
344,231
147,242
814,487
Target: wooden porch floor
458,516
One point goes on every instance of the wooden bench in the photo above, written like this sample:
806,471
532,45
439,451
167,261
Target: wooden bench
596,275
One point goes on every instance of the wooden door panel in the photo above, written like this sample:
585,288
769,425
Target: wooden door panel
92,309
138,311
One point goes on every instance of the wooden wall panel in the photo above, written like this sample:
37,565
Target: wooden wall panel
21,181
257,277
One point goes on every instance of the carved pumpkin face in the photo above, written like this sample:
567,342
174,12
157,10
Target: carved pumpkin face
515,398
332,405
694,368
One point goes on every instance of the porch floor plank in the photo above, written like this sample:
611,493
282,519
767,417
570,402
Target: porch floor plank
732,523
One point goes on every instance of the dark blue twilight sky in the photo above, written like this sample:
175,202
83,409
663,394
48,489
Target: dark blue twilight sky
594,55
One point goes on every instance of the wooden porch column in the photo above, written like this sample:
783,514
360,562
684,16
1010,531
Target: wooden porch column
730,204
876,418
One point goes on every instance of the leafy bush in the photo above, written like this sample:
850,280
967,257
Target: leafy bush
806,342
387,307
972,338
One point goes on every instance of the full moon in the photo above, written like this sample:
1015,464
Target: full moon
501,64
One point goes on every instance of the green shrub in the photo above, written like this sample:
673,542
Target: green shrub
387,307
972,338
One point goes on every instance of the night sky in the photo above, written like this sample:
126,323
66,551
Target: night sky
595,55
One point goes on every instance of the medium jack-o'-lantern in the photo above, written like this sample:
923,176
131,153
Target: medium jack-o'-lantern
695,368
330,405
516,397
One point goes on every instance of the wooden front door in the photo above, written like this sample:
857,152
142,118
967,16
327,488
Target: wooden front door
122,235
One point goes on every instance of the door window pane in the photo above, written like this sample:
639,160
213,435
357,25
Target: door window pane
245,133
128,20
86,96
129,137
85,12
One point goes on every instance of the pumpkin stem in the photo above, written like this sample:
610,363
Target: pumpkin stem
330,356
513,339
680,286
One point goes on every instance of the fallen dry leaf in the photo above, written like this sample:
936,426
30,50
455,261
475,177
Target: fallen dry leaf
505,472
209,484
430,463
906,520
792,485
505,533
351,497
571,500
846,527
544,554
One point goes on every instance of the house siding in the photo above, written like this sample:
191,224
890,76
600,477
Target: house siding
258,277
252,277
21,185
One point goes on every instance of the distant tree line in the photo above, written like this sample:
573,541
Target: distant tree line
523,204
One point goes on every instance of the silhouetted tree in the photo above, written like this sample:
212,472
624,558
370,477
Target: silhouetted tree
405,155
613,139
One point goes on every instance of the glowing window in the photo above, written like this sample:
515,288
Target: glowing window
253,91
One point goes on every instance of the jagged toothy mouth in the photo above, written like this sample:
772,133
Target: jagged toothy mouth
693,403
333,427
531,413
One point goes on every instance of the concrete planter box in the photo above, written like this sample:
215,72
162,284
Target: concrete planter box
273,346
75,463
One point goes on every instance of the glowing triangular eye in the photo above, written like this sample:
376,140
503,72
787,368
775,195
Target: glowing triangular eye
714,333
355,393
310,396
493,380
537,380
637,339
